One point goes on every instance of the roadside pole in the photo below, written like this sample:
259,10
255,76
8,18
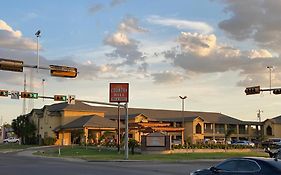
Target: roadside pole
126,133
118,136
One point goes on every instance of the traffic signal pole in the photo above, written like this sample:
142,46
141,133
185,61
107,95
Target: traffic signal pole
256,90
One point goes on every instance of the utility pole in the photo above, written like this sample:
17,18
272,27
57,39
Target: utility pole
259,115
24,100
270,69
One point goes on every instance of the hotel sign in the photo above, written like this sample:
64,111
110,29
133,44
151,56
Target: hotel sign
119,92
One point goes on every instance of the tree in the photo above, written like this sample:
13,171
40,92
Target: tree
132,144
24,129
227,135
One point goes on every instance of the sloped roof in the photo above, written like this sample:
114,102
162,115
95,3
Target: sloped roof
94,121
78,106
276,119
156,114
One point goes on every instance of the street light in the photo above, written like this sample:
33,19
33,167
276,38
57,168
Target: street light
182,113
38,34
270,69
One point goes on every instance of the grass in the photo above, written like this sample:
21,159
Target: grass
96,154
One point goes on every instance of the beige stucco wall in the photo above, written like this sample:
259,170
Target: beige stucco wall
277,130
69,116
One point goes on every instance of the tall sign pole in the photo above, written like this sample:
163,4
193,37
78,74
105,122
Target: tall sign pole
119,93
118,136
126,134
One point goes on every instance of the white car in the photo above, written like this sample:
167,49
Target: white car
11,140
244,142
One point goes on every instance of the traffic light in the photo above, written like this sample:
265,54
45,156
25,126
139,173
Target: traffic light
29,95
63,71
60,98
4,93
252,90
277,91
11,65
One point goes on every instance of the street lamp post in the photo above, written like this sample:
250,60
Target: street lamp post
182,114
270,69
38,34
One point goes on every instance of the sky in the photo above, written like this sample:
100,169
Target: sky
207,50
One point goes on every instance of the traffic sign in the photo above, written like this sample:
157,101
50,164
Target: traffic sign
119,92
15,95
71,99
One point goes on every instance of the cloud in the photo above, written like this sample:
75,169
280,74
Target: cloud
195,60
96,8
254,19
12,39
125,47
200,27
197,43
114,3
167,77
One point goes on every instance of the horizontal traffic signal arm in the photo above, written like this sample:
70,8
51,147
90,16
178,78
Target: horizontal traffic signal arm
29,95
256,90
60,98
11,65
252,90
55,70
4,93
63,71
277,91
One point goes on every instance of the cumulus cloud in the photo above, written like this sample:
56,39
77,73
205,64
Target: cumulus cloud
198,26
12,39
125,47
197,56
254,19
197,43
167,77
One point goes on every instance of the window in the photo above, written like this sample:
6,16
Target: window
248,165
239,165
228,165
208,128
198,129
269,131
220,129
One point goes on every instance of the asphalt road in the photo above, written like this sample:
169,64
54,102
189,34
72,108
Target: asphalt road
22,164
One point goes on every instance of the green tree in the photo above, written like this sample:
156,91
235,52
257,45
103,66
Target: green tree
24,129
132,145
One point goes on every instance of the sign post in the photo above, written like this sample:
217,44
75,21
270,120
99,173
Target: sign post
119,93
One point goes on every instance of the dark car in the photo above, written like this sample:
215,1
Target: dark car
247,165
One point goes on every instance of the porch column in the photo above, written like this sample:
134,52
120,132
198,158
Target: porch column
86,135
182,137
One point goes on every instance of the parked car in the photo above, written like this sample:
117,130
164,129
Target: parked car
275,141
237,166
11,140
244,142
272,142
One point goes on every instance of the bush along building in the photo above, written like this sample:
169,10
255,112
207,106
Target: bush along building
66,124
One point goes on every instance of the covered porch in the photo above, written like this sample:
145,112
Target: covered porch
91,129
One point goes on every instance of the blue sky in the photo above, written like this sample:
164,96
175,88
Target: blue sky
207,50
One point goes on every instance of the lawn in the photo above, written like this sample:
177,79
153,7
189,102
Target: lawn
97,154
